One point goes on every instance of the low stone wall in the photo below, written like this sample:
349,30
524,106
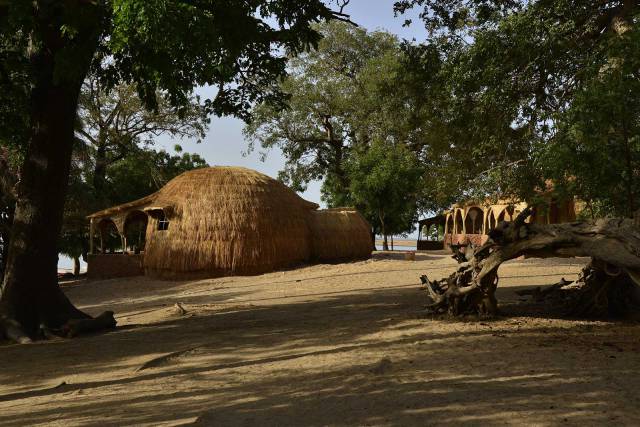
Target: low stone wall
464,239
108,266
429,245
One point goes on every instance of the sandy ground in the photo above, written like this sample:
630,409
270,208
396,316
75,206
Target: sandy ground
324,345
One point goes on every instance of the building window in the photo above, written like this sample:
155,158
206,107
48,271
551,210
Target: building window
159,215
163,222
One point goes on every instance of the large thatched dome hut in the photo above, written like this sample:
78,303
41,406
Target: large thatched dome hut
224,221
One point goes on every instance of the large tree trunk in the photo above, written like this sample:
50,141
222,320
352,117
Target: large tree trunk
8,178
607,286
76,266
31,302
5,236
383,229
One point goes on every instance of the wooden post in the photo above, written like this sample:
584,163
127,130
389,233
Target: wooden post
464,224
485,218
91,232
455,224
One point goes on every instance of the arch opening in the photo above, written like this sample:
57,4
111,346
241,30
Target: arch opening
110,239
459,222
474,220
135,229
490,221
502,217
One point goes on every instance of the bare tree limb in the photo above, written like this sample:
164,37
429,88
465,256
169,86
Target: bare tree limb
613,244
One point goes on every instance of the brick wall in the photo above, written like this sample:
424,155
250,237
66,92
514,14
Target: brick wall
429,245
108,266
456,239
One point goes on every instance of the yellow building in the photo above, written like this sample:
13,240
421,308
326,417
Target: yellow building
471,222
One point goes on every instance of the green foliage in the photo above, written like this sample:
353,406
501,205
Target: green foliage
172,46
112,124
385,183
433,233
460,16
345,95
532,91
330,109
227,44
595,152
113,162
146,171
433,122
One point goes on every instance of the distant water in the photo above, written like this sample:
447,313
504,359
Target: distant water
398,248
66,264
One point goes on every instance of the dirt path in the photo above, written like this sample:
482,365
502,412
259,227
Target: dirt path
324,345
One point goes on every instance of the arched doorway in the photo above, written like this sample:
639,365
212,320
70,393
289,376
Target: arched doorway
509,216
502,216
474,220
135,229
110,239
432,234
490,221
459,222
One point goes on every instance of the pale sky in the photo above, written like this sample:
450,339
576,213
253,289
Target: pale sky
224,144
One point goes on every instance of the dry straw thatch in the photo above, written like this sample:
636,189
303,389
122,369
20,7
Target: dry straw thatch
227,221
236,221
339,234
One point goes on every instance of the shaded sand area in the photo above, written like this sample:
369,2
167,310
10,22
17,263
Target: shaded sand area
324,345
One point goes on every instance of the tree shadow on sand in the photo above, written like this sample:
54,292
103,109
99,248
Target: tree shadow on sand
348,359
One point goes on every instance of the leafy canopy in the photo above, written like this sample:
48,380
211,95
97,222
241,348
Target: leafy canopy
524,89
385,183
114,123
342,96
172,46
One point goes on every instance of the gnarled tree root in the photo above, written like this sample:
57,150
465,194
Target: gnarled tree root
452,297
75,327
13,331
608,287
596,294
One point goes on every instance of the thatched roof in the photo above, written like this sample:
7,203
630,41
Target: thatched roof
227,220
236,221
115,210
161,200
340,234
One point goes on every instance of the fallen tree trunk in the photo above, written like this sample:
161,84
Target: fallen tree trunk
608,286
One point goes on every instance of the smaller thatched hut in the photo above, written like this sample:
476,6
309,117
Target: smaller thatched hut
339,234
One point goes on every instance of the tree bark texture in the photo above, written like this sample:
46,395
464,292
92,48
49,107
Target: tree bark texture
31,302
76,266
